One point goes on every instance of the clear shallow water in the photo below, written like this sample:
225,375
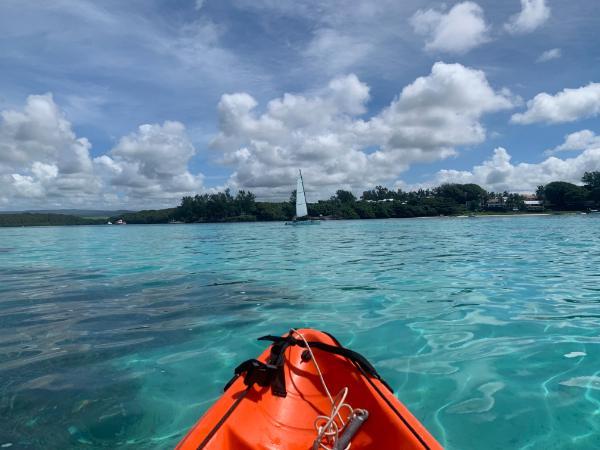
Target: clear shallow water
120,337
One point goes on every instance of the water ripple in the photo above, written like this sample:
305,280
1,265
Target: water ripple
119,337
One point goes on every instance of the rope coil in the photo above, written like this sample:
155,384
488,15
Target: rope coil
329,427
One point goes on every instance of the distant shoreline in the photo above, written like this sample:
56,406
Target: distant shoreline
520,215
49,220
446,200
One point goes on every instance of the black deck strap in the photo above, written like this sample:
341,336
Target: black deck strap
269,374
255,372
219,424
336,350
277,359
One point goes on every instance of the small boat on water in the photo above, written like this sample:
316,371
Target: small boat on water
302,217
307,392
120,222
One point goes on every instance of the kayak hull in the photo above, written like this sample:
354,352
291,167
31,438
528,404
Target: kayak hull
304,222
246,418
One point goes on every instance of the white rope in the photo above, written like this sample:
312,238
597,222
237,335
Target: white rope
327,427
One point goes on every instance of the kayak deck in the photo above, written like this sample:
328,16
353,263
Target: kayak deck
252,417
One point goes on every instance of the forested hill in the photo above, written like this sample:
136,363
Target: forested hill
44,219
96,213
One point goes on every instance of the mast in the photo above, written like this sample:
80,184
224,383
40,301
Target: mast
302,182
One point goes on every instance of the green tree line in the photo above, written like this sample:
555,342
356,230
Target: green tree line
44,219
561,195
380,202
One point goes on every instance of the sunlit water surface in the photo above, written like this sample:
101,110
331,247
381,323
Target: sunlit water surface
120,337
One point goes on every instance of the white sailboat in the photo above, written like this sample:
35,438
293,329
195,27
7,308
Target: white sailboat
301,209
301,217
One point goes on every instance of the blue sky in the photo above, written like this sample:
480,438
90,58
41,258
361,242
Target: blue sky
134,104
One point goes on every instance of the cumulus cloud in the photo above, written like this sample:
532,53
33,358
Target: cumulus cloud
580,140
323,133
153,162
500,174
41,133
549,55
532,15
566,106
40,155
457,31
43,163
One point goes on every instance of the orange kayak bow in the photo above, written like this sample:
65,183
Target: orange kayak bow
284,401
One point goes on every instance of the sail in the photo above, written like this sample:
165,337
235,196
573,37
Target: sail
301,210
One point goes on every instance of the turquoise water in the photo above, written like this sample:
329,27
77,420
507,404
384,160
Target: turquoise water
120,337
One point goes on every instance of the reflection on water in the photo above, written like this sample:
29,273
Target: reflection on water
120,337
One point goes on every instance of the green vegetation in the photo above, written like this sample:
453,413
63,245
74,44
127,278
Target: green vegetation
146,216
449,199
377,203
565,196
44,219
381,202
224,207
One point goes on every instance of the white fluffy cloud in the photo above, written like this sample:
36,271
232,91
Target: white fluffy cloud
457,31
532,15
500,174
41,157
549,55
43,164
152,162
41,133
566,106
580,140
323,134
